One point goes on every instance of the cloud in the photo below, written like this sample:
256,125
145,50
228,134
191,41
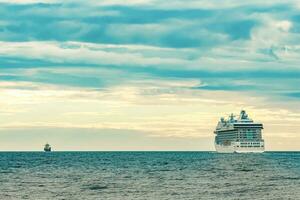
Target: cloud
76,53
194,28
294,94
101,66
27,1
159,108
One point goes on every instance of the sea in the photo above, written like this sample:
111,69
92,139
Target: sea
149,175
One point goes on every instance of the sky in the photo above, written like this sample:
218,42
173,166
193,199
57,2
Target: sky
117,75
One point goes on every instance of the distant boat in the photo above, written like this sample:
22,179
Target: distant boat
47,148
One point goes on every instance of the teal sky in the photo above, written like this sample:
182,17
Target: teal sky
146,74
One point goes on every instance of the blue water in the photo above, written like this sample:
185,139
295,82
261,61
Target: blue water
149,175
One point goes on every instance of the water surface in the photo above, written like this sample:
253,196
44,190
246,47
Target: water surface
149,175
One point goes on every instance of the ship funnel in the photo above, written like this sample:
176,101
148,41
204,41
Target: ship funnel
243,115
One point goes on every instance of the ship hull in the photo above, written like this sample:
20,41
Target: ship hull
47,150
234,149
224,149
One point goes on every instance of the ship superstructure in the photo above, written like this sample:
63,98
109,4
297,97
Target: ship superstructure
239,135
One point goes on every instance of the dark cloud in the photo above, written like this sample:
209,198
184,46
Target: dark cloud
64,22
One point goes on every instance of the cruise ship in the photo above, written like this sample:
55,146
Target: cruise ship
239,134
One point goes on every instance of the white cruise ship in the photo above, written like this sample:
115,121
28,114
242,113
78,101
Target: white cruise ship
239,135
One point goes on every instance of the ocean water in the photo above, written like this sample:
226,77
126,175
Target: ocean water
149,175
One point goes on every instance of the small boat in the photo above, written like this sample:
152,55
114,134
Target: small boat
47,148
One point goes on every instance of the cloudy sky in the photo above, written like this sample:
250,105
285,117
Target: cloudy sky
146,74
